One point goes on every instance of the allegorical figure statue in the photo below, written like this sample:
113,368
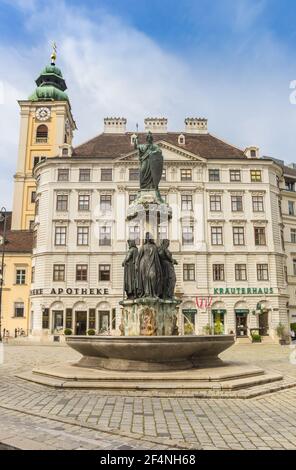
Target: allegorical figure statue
129,265
151,163
168,270
148,269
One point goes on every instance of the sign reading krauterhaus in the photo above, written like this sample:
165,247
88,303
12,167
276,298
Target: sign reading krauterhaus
243,290
70,291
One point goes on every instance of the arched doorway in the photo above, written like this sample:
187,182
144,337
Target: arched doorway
57,317
80,318
263,310
241,312
189,311
218,318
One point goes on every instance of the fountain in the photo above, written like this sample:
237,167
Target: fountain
150,356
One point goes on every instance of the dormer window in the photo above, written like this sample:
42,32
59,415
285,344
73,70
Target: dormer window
181,139
41,134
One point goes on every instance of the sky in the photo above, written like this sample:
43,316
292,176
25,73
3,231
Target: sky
231,61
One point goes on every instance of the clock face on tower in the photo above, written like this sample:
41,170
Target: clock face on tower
42,114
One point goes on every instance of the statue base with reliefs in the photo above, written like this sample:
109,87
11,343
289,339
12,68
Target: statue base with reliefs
149,316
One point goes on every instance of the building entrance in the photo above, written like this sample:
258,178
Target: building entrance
241,322
104,321
80,322
263,324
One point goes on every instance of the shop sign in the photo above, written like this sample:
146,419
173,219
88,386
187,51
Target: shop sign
70,291
243,290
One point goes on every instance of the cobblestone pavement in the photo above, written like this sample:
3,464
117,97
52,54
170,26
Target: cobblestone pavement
34,416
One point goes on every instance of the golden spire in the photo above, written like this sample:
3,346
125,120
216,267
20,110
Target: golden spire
53,54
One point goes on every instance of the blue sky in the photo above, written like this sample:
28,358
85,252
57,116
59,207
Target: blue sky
231,61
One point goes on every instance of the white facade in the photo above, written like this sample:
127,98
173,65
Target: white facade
222,200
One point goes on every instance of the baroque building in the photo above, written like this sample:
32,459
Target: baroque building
227,232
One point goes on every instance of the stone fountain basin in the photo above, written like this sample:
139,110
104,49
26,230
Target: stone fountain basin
149,353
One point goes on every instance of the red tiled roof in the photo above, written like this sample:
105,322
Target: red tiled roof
18,241
115,145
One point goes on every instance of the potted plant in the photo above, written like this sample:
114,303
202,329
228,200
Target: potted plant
188,328
208,330
282,334
91,332
218,328
67,331
256,337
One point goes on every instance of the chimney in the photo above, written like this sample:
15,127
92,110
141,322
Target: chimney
252,152
114,125
196,125
156,125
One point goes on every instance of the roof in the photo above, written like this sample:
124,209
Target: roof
115,145
17,241
289,171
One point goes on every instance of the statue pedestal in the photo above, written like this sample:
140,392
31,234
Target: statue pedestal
149,317
149,201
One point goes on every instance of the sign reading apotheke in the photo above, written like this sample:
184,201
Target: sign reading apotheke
242,290
70,291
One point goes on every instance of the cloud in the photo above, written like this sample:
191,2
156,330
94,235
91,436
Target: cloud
112,68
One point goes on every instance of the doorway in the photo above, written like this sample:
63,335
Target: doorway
104,321
241,322
263,324
80,322
218,321
58,320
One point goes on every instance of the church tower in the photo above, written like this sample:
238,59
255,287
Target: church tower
46,130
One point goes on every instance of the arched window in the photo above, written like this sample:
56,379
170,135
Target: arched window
41,134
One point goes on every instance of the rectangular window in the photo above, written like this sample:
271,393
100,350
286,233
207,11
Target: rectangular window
84,174
83,202
216,236
104,272
33,196
258,205
134,233
62,202
215,203
105,203
236,203
256,176
294,267
134,174
82,236
188,235
58,272
235,175
20,276
63,174
262,272
106,174
45,318
19,309
260,238
240,272
189,272
186,202
218,272
163,232
105,236
163,176
81,272
238,235
214,175
186,174
291,209
60,235
293,235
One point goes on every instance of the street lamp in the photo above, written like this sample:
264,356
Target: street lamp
3,218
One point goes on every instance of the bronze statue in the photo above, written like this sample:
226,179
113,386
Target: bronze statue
129,265
168,270
151,163
148,269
